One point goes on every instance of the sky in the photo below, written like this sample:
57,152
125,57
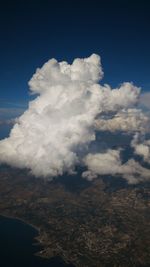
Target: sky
32,32
69,102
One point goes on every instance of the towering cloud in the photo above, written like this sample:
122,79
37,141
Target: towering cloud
54,134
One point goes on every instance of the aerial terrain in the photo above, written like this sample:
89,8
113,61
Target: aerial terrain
76,166
75,133
101,223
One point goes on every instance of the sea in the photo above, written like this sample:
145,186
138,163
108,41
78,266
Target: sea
18,246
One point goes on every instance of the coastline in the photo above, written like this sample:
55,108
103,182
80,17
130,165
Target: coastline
37,236
39,244
22,220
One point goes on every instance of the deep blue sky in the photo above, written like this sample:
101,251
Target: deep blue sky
34,31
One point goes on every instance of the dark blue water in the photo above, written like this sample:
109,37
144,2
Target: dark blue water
17,246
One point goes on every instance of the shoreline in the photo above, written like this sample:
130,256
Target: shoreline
37,236
22,220
39,253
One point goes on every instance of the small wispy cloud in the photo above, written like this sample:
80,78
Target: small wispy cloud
13,104
10,113
11,109
7,122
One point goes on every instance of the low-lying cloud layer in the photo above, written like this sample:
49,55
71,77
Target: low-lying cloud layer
54,133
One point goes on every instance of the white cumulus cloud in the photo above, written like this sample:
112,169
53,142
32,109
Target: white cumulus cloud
63,118
126,120
109,163
141,147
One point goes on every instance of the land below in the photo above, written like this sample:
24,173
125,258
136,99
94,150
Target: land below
88,224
